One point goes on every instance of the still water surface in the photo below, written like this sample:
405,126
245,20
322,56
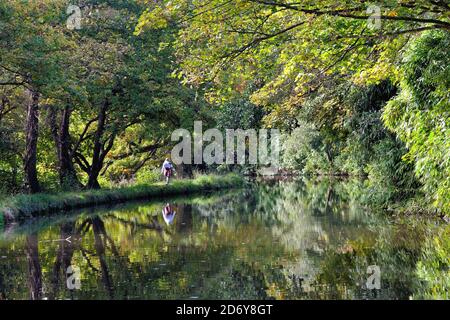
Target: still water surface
275,240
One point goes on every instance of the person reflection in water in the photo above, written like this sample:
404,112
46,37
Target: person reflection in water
168,213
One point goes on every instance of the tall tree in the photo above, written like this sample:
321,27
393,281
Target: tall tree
31,52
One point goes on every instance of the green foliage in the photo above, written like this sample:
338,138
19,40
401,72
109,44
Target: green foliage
9,160
239,113
420,114
312,69
317,62
291,49
148,175
102,66
340,131
434,267
302,149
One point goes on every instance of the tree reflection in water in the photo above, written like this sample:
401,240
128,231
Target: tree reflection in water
34,267
63,257
284,240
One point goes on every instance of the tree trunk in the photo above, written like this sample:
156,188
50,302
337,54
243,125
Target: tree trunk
2,106
184,171
184,220
63,257
32,134
100,248
96,157
61,136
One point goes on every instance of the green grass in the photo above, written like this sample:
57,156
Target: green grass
27,206
44,222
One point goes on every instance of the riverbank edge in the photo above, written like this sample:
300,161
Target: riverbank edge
23,207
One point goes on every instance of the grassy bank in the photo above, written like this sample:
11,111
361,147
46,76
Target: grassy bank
27,206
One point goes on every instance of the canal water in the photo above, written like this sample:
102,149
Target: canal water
300,239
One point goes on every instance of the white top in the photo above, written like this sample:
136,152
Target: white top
168,218
166,165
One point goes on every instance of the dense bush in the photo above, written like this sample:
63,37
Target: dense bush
303,149
420,114
351,141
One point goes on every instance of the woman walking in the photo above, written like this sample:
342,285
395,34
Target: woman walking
167,170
